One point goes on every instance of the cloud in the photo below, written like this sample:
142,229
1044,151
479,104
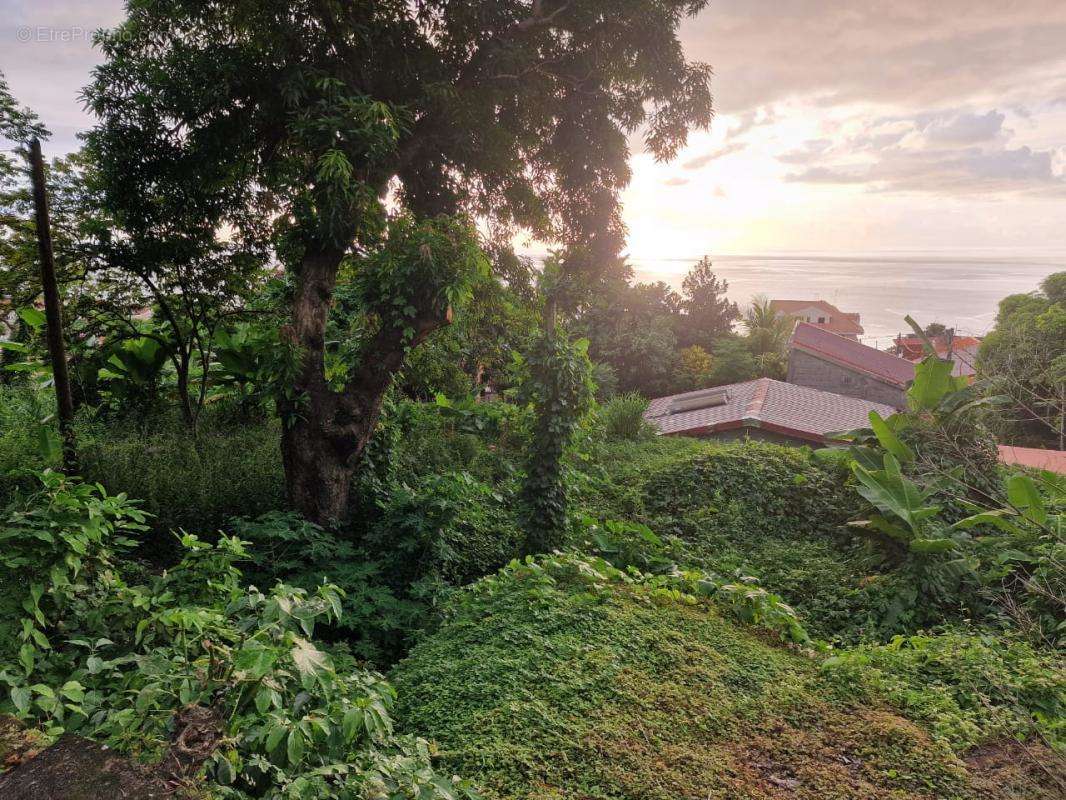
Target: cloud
751,119
699,162
808,151
950,152
967,171
965,127
904,52
825,175
675,181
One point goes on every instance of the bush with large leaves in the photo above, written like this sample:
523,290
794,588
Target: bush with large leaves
126,662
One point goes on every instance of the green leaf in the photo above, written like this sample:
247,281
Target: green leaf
48,444
888,439
26,657
295,747
932,383
352,723
999,518
72,690
277,733
893,493
20,696
225,774
255,661
1023,495
32,317
262,700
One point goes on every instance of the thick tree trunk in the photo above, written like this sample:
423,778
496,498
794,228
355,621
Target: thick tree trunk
325,431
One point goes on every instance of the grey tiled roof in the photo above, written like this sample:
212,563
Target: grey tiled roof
773,405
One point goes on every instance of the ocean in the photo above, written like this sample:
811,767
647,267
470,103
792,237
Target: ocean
959,291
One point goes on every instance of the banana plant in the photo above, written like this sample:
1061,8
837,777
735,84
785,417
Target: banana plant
133,371
247,360
904,506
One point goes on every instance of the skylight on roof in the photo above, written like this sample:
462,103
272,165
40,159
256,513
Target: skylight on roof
706,399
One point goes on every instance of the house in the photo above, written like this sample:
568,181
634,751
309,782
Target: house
961,350
762,409
820,314
822,360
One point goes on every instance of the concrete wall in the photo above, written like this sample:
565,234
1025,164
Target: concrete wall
805,369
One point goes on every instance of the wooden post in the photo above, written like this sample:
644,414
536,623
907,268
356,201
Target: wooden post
53,311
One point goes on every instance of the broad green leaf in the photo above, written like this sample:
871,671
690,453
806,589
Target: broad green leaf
1002,518
1023,495
26,657
255,661
295,747
263,699
225,774
48,444
888,439
932,383
20,696
32,317
352,723
277,733
891,492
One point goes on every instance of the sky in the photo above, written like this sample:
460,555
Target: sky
841,127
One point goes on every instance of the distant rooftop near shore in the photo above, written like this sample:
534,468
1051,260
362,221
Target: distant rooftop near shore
821,314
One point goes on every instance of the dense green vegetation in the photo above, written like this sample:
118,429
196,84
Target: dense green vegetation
356,503
551,685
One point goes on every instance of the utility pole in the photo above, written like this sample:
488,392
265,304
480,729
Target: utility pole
53,311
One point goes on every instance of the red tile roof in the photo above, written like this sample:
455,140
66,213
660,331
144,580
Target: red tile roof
851,354
785,408
963,351
844,323
1052,460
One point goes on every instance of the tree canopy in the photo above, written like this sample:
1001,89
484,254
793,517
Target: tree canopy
372,134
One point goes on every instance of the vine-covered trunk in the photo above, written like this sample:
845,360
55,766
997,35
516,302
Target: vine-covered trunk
325,430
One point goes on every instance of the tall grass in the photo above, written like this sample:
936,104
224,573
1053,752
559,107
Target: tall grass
623,418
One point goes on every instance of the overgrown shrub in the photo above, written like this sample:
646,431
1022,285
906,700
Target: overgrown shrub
552,681
185,482
968,687
21,409
426,539
776,485
130,664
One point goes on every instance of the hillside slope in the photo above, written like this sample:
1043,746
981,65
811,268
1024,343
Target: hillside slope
541,688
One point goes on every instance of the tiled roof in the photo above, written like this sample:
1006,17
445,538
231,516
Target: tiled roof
851,354
776,406
1052,460
963,351
839,321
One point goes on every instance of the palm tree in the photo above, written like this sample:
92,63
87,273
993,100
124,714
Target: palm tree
767,330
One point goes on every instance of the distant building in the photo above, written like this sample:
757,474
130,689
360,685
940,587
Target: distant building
762,409
961,350
820,314
822,360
